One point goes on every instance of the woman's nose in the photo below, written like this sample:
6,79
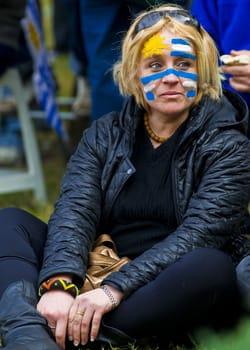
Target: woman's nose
170,77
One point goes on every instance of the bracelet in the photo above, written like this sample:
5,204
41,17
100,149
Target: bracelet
58,284
110,296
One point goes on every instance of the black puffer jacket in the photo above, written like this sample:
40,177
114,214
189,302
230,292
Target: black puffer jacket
211,178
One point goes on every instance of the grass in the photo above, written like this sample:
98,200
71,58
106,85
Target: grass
53,164
236,339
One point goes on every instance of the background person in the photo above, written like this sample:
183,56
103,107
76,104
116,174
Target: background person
224,21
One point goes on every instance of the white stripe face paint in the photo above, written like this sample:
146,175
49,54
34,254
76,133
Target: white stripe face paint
180,47
149,87
189,84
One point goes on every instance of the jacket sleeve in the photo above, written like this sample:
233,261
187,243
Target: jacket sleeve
216,207
72,226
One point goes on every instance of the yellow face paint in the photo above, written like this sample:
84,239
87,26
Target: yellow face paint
154,46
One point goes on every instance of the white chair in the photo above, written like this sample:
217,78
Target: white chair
14,180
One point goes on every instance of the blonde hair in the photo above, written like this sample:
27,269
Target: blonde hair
125,71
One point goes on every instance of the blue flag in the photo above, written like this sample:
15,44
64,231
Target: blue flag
43,81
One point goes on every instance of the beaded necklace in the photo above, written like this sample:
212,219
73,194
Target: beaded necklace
150,132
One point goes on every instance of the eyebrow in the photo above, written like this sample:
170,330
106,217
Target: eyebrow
154,56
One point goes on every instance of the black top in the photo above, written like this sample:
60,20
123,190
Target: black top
143,213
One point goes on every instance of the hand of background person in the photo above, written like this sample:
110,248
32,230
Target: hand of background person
86,314
240,79
55,306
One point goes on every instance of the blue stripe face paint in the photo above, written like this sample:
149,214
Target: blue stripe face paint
180,41
148,79
191,93
150,96
178,73
183,54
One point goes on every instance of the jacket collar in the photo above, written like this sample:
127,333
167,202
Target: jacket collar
230,111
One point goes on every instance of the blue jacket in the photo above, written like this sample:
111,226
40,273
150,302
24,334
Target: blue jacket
211,190
227,21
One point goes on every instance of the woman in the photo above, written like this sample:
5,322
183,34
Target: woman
168,177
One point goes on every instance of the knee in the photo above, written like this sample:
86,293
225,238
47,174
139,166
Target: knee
11,211
12,216
243,269
243,277
218,262
211,264
223,264
219,258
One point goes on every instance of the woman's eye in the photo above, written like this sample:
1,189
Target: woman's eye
155,65
183,64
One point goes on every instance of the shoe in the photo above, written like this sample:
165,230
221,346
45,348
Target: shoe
22,327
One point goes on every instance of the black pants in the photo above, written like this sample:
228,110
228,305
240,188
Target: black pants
200,288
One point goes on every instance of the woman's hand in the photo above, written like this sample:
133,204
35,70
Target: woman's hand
55,306
240,79
86,314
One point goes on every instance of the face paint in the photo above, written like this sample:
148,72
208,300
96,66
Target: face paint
148,90
180,44
190,84
179,47
182,48
186,83
154,46
156,76
149,87
191,93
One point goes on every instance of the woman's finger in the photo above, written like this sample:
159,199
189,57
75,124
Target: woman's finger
95,325
72,313
84,329
60,332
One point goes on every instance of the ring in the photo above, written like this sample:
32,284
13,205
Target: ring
80,313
